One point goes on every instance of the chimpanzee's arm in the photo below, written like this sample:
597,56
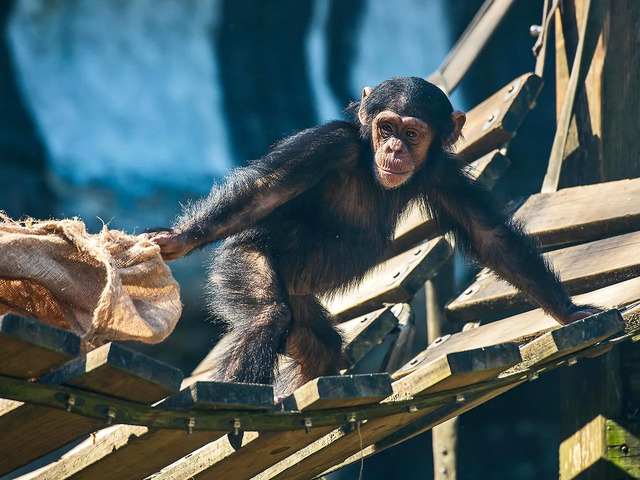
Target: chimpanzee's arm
482,228
251,193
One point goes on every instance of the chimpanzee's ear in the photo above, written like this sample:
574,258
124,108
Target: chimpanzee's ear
458,118
366,91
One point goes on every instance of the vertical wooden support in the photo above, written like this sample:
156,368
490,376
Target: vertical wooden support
444,437
593,394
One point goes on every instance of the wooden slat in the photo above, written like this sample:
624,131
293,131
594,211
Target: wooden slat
219,461
584,213
416,226
436,417
394,281
571,338
496,120
472,41
448,371
526,326
29,349
30,431
399,351
127,451
362,334
582,268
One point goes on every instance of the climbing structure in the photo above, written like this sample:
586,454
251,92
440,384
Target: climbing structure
132,417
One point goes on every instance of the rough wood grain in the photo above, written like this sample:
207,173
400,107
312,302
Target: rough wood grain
448,371
29,349
584,213
582,268
30,431
394,281
425,423
526,326
416,226
127,451
363,333
496,120
571,338
259,451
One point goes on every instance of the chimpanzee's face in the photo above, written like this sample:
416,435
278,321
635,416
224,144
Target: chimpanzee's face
400,146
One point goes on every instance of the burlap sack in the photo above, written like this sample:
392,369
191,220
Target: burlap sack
109,286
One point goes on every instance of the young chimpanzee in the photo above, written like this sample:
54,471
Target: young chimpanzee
318,211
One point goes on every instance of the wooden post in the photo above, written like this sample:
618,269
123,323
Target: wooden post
600,437
444,436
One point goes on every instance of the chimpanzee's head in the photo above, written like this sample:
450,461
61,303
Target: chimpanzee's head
405,118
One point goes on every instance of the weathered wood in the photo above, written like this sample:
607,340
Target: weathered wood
221,395
582,268
416,226
472,41
571,338
448,371
496,120
581,214
394,281
30,431
259,451
623,446
126,451
29,349
399,351
362,334
524,327
429,421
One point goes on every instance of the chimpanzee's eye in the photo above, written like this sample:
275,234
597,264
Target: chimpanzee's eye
411,134
386,130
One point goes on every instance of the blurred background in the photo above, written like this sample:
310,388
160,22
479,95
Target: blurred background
119,111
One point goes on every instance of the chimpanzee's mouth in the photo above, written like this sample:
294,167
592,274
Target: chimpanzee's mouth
391,172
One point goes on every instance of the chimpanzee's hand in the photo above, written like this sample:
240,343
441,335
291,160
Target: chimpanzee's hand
584,311
172,245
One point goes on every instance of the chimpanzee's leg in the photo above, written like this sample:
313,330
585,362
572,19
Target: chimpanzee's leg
246,294
313,344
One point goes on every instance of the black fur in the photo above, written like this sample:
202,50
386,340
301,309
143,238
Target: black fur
310,219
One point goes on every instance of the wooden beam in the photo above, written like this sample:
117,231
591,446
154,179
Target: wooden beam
470,44
526,326
446,372
496,120
363,333
582,268
394,281
29,349
261,450
569,339
436,417
416,226
128,451
30,431
579,214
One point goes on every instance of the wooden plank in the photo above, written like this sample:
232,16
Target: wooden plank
30,431
582,268
496,120
432,419
399,351
623,446
363,333
472,41
526,326
448,371
260,450
580,214
29,349
416,226
394,281
571,338
127,451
